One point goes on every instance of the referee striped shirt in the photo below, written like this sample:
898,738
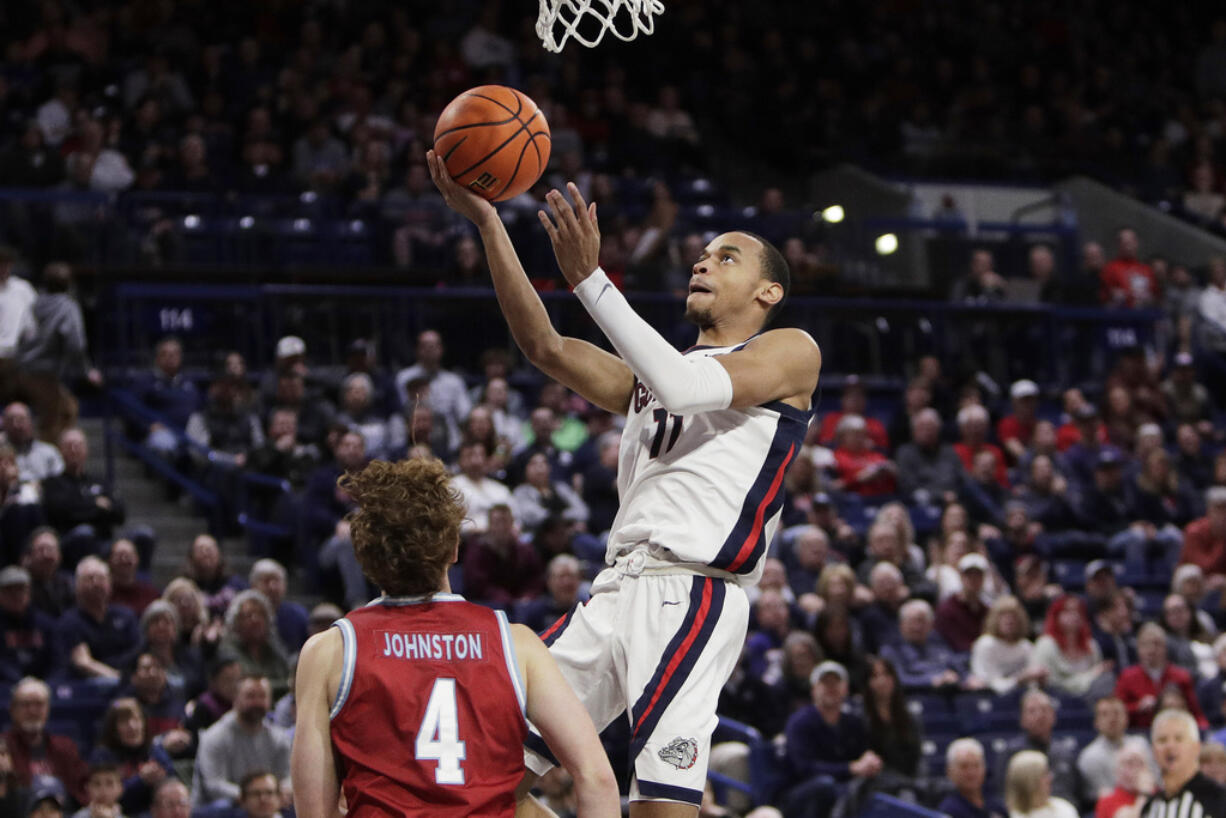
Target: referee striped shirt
1201,797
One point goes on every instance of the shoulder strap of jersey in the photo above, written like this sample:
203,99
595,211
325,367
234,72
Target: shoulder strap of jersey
508,654
348,662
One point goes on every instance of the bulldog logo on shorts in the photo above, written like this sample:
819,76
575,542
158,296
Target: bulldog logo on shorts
680,752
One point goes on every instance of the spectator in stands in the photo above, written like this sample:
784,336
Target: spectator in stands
314,413
827,746
448,395
540,496
127,587
382,435
74,499
861,470
171,799
1140,685
1088,439
1015,431
960,617
771,625
973,432
916,398
162,704
1072,658
879,618
480,491
269,578
50,588
1044,496
1204,541
251,636
13,796
206,566
225,672
1189,582
1160,496
1001,657
1099,763
499,568
1126,280
1213,761
55,353
563,590
981,284
319,158
17,299
324,502
226,426
1037,720
1105,509
983,496
1031,788
239,743
854,401
841,639
197,628
260,795
966,770
1212,308
1187,643
102,638
170,393
893,733
788,677
284,455
34,751
104,784
127,742
36,460
924,661
1141,387
1188,400
1113,629
29,639
184,664
929,471
806,560
1133,781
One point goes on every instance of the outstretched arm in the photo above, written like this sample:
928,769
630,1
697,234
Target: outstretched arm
566,727
598,376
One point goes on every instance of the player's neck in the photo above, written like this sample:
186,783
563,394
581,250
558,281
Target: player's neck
725,335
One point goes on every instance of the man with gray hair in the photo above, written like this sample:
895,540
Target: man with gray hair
973,439
1186,792
966,770
1038,719
103,639
269,578
1204,540
923,659
929,471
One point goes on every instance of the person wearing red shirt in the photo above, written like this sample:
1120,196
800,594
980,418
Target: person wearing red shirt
860,469
34,751
1015,431
973,429
418,704
1204,540
1126,281
1140,686
853,402
1133,782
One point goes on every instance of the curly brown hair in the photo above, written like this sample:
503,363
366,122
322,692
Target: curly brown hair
407,523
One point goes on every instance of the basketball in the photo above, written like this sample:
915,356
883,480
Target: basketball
494,140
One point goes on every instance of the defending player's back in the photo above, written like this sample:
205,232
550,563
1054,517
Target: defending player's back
435,675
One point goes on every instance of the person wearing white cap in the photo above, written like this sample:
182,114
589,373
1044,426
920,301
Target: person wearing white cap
960,617
827,746
1016,430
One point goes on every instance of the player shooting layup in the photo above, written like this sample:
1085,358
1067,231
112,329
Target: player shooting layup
708,438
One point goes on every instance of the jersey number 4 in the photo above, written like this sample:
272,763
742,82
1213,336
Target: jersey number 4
662,417
438,738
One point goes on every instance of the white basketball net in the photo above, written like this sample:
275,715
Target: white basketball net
560,20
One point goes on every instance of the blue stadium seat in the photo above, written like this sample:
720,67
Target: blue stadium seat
1069,574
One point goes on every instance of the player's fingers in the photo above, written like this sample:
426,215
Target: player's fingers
560,211
567,212
577,198
591,212
550,230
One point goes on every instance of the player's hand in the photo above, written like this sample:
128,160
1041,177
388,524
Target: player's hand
463,201
575,234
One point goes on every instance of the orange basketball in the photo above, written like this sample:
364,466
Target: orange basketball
494,141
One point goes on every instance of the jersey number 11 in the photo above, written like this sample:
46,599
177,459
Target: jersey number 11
662,417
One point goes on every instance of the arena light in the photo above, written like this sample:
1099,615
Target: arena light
246,222
833,214
886,244
191,222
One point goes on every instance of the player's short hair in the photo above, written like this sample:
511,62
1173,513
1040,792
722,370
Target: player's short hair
774,268
407,523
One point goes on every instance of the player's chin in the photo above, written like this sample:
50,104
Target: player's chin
699,316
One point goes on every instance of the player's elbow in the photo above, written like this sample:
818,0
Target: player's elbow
594,780
543,350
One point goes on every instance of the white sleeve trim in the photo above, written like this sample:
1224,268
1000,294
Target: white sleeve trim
682,385
349,663
508,653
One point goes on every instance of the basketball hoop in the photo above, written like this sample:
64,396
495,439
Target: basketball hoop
560,20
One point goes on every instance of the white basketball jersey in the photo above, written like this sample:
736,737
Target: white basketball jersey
704,489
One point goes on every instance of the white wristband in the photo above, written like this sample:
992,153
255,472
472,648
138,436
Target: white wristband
682,385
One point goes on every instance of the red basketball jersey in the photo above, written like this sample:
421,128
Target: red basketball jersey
429,718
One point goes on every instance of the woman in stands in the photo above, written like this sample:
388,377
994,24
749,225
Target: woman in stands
1068,652
1188,644
159,627
1028,789
126,742
1002,657
206,566
838,635
893,732
196,627
251,635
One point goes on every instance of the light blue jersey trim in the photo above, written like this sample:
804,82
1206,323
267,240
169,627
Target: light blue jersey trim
508,652
414,600
349,663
